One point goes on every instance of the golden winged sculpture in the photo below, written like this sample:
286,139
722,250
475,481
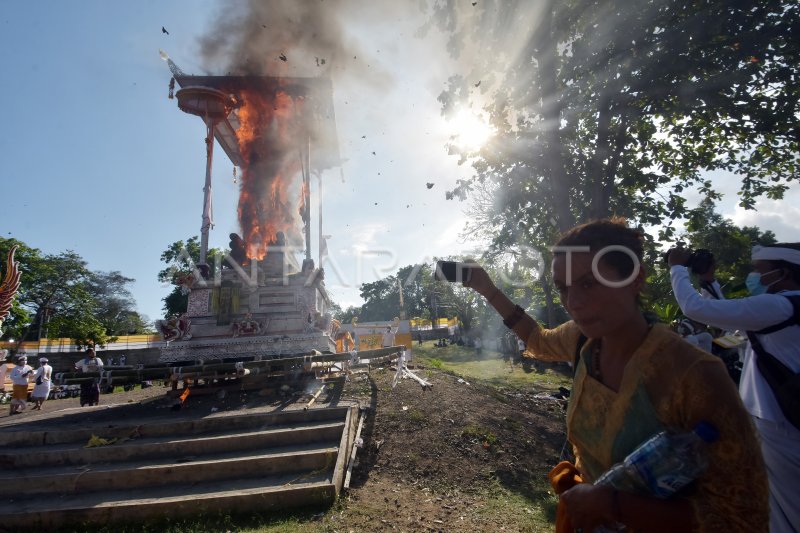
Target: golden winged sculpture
10,285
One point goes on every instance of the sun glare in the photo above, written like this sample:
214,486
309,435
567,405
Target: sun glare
470,130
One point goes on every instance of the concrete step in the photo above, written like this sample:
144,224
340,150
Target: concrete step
146,474
218,422
232,496
177,446
230,463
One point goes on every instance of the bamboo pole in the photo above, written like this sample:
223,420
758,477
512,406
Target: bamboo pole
314,397
219,370
352,459
410,374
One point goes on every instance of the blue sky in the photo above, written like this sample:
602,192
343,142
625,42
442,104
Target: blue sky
96,159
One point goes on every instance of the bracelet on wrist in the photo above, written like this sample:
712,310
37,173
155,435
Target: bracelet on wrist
514,317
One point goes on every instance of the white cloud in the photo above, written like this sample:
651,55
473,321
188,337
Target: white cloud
778,216
363,239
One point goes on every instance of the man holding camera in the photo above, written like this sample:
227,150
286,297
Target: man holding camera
770,319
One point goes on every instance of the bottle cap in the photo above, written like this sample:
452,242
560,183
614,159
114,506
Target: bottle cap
706,431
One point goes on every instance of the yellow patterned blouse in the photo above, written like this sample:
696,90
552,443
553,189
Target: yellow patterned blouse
667,383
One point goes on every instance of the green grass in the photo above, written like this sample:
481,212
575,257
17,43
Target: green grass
513,425
416,415
435,363
489,368
480,433
534,515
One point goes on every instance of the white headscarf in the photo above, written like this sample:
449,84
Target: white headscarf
776,253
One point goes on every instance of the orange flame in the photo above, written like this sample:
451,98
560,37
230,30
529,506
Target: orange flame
301,205
269,132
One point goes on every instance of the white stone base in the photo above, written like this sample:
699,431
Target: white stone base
260,347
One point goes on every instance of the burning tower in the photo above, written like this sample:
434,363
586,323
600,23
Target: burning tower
260,302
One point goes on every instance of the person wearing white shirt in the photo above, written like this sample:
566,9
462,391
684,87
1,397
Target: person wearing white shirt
43,379
702,340
90,390
690,333
5,368
90,363
388,336
20,377
776,273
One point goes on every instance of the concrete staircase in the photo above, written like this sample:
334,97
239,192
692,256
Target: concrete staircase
228,463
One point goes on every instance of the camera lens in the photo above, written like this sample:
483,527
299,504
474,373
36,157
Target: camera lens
700,261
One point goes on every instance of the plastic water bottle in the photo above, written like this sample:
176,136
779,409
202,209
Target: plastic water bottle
662,465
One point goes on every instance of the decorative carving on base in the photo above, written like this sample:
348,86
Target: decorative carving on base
306,302
260,347
248,326
175,328
198,302
185,281
324,323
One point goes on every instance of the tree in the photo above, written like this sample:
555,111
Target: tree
426,297
115,306
618,107
415,281
382,297
455,300
60,297
381,300
181,259
345,316
79,324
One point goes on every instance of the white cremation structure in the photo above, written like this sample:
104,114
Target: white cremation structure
263,310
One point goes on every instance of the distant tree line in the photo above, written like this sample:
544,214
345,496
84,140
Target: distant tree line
516,276
60,297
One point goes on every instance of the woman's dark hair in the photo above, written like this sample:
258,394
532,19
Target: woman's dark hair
792,268
603,233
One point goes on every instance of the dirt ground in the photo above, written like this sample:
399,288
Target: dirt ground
460,456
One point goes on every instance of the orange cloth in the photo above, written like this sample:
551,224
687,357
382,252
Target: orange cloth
20,393
563,477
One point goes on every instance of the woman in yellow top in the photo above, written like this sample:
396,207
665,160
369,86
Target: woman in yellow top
634,379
